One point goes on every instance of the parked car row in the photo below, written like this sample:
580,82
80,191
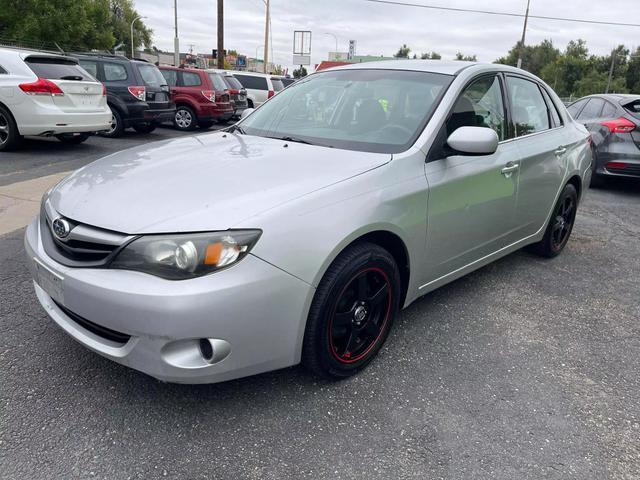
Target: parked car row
614,123
76,95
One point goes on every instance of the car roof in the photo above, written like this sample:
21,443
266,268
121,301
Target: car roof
24,53
451,67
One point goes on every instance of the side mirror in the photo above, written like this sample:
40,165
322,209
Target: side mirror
474,140
246,112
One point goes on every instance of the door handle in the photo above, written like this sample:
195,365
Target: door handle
509,168
560,151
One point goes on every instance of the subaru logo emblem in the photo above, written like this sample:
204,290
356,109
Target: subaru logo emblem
60,227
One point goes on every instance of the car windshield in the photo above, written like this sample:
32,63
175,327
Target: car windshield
367,110
151,76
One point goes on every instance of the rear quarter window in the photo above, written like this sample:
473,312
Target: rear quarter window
255,83
58,69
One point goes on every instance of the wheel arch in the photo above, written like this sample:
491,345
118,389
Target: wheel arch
385,238
576,181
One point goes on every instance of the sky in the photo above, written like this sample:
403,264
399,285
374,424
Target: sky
380,29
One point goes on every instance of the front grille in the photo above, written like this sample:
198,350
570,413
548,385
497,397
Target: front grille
629,169
85,246
103,332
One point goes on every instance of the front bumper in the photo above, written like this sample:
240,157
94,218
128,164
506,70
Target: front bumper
254,311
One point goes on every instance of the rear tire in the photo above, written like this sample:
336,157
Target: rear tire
352,312
73,139
144,127
10,138
185,119
117,126
560,224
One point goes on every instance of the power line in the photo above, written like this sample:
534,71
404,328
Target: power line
503,14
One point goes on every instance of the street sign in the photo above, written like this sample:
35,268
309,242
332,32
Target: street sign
352,50
301,60
302,42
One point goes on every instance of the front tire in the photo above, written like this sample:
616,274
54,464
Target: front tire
352,312
185,119
10,138
560,224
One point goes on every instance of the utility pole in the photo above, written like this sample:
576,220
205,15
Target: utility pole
176,42
266,38
220,55
524,33
614,54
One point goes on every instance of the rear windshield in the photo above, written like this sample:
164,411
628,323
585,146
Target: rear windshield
255,83
287,81
277,84
233,82
151,76
217,82
633,108
58,69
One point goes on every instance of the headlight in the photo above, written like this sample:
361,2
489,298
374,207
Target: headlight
181,256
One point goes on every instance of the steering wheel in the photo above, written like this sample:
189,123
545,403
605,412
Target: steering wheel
395,127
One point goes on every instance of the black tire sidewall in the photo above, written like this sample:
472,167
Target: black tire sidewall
546,246
317,354
119,130
13,137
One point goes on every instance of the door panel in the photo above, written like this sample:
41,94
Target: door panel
471,209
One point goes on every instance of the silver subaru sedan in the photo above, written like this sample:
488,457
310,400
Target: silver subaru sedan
297,234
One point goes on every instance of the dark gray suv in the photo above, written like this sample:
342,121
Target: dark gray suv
614,123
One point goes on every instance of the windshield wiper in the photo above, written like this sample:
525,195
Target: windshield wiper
236,128
293,139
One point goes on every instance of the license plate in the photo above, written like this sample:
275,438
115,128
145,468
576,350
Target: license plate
49,281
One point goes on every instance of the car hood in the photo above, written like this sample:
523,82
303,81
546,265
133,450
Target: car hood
199,183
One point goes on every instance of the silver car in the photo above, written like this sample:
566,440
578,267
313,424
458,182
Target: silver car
301,231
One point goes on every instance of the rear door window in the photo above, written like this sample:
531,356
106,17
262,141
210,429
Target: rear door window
91,67
171,76
592,110
151,76
114,72
553,110
58,69
255,83
528,108
190,79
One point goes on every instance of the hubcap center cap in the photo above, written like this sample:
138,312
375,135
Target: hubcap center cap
359,314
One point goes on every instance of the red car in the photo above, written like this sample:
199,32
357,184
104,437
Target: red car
200,97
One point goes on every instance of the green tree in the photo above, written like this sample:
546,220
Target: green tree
300,72
431,56
403,52
632,77
467,58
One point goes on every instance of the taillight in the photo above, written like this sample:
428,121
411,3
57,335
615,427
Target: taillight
209,95
104,90
620,125
271,94
42,86
138,92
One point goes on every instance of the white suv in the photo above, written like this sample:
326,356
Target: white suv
46,94
259,86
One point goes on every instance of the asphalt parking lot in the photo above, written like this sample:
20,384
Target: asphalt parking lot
525,369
